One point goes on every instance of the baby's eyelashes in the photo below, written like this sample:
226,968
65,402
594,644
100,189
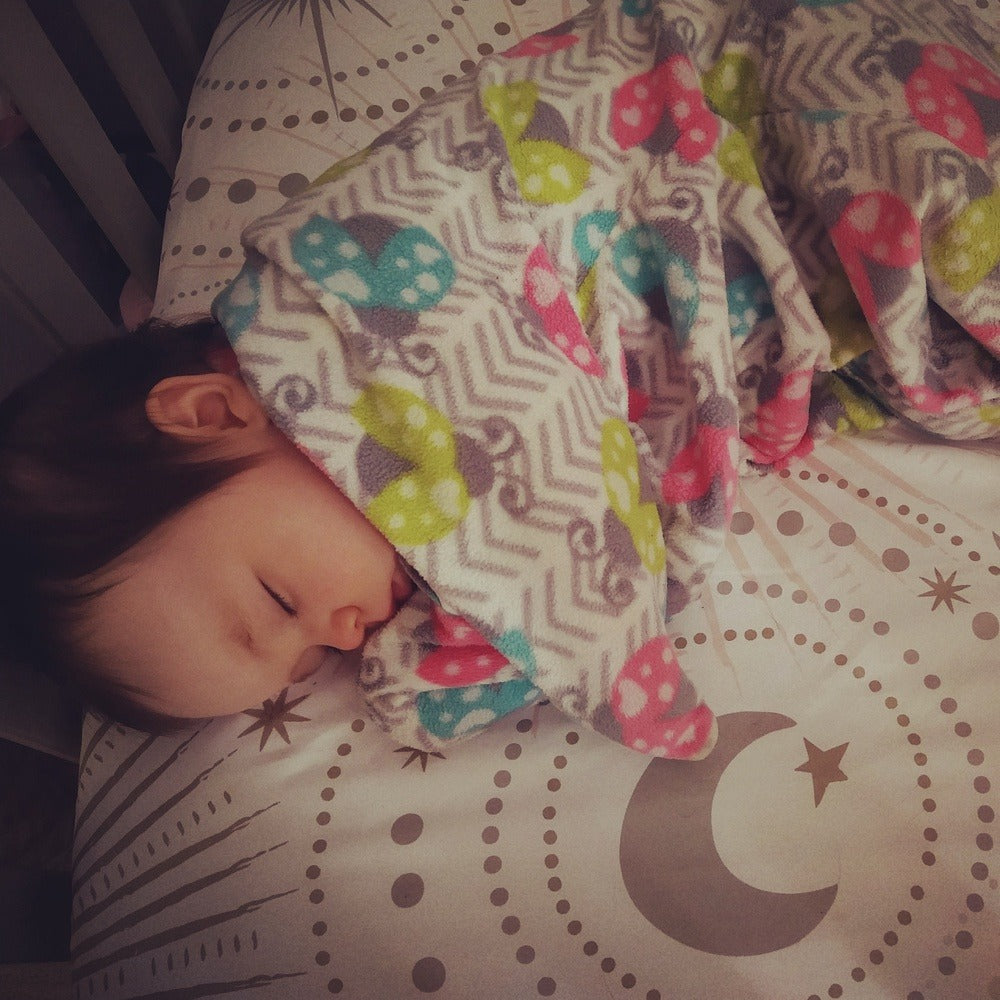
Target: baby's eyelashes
283,602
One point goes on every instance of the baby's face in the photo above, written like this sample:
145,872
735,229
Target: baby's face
240,593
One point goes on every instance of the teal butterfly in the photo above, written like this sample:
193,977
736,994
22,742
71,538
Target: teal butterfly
235,307
644,261
749,300
413,270
590,234
454,712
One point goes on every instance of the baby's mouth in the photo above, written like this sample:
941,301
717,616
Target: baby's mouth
402,585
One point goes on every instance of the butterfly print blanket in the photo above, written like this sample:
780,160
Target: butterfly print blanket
538,330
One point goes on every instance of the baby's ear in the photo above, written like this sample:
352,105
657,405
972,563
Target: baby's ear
203,408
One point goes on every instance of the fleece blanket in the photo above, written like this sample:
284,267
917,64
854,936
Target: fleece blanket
537,330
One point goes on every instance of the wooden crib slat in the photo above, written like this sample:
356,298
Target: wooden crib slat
48,98
133,61
38,271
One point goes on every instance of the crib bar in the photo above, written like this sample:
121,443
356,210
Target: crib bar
36,713
39,274
44,91
133,61
185,38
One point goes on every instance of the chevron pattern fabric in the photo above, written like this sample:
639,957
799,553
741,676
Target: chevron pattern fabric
537,330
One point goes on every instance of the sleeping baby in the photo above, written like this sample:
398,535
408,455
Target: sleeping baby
166,545
499,373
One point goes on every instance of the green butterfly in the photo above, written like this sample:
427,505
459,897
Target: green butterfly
620,462
431,498
547,172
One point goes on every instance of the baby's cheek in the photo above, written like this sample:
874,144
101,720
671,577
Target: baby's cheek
308,663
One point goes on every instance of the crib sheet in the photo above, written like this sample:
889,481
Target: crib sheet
840,842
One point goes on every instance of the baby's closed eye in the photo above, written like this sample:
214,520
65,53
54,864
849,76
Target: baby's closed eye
280,600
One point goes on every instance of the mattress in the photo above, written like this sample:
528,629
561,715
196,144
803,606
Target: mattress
840,840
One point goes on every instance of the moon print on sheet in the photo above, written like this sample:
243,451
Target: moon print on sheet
686,891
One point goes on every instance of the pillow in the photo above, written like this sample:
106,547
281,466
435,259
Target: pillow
259,130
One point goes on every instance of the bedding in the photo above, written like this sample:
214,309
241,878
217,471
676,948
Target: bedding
838,841
410,323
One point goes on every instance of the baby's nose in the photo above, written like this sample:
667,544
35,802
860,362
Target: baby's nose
344,628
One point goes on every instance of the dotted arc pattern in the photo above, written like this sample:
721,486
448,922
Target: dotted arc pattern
257,134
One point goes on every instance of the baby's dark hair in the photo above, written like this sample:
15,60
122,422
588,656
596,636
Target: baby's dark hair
85,476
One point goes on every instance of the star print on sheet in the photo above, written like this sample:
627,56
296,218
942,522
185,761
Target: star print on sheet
824,767
944,591
273,717
416,754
